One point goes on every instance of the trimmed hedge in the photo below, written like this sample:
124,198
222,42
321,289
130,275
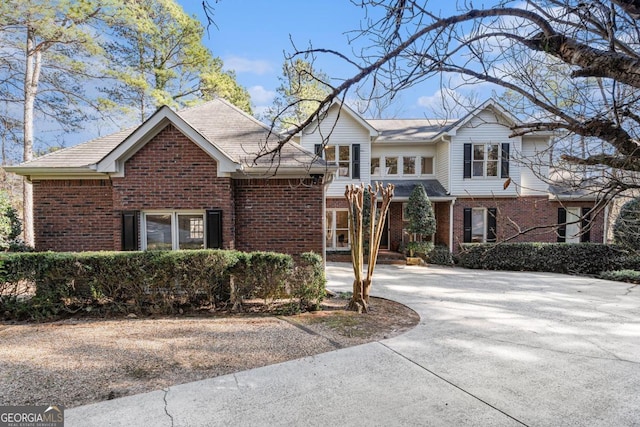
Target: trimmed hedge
46,285
568,258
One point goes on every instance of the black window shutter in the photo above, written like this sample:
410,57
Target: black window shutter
214,229
585,226
466,223
562,228
504,165
355,161
467,160
317,148
130,230
491,224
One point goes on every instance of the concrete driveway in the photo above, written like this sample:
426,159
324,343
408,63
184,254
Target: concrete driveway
492,348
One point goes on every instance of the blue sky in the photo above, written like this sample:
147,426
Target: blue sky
251,36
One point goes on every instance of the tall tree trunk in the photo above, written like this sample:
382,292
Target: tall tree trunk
31,78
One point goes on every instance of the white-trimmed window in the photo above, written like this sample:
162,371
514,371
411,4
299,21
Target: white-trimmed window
341,156
480,225
337,233
167,230
391,165
409,165
426,165
375,166
485,160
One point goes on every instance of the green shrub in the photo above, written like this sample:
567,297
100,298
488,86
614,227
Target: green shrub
626,229
45,285
440,255
261,275
579,258
629,276
421,249
308,282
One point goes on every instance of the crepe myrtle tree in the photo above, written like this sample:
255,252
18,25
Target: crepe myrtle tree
358,197
567,68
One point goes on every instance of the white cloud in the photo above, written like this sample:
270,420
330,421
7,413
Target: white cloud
245,65
260,95
447,103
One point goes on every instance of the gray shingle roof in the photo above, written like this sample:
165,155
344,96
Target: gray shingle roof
403,188
235,133
410,130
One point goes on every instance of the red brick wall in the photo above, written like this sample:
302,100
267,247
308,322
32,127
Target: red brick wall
442,212
171,172
279,215
521,214
73,215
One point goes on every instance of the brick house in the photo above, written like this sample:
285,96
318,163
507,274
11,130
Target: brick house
185,179
464,165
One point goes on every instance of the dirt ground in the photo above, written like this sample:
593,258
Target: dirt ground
78,361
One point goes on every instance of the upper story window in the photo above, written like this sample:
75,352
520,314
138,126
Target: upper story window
404,166
426,165
486,160
375,166
341,156
391,165
346,157
409,165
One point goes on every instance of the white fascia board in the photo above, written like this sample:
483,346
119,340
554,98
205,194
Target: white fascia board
56,173
284,172
113,163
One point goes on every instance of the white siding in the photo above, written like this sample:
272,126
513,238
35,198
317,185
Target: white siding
442,164
346,131
484,128
533,161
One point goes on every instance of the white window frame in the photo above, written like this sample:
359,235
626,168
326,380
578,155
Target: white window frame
485,160
379,166
484,224
175,232
334,238
573,229
415,165
422,172
398,166
337,160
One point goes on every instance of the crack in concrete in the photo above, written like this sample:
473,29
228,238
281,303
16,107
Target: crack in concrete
455,385
630,288
166,404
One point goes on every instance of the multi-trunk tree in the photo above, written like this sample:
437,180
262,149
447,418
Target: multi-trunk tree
362,200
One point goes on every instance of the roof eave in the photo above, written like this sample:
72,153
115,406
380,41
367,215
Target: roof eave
31,173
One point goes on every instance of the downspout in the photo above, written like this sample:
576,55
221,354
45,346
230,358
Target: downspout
453,202
326,181
605,233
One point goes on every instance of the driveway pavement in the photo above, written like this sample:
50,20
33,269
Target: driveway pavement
491,349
